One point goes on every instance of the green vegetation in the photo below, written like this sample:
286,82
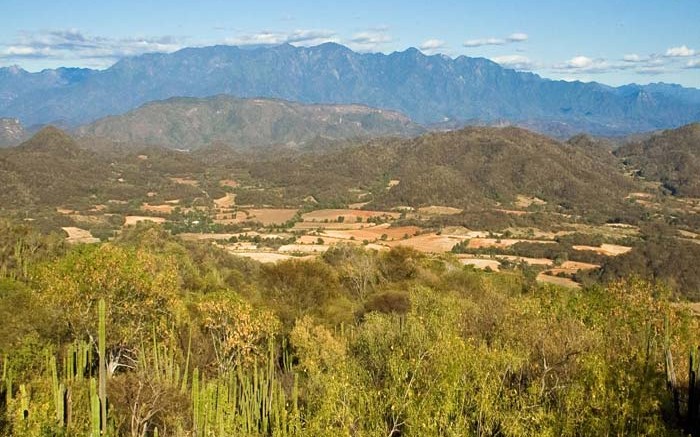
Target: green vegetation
147,335
657,258
671,157
191,123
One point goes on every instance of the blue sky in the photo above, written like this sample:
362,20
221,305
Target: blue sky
611,41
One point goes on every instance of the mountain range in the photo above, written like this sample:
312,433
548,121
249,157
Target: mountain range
434,89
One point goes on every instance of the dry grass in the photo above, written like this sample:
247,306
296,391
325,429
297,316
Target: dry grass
439,210
576,266
228,201
199,237
350,215
481,263
512,212
530,261
162,209
307,226
525,201
428,243
271,257
606,249
270,216
688,234
313,239
303,248
358,205
478,243
372,233
640,196
133,219
185,181
228,183
77,235
562,282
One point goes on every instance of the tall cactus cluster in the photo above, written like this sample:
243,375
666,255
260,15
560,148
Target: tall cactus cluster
252,402
75,399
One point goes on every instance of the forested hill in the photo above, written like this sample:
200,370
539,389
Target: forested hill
671,157
470,167
190,123
429,89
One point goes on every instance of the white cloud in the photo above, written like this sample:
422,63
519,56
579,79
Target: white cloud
680,52
517,62
518,37
584,64
302,37
433,46
512,38
73,44
633,58
651,71
693,63
580,62
484,42
370,40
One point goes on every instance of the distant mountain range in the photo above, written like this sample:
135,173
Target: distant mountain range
190,123
428,89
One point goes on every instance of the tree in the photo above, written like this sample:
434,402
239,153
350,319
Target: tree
239,333
140,288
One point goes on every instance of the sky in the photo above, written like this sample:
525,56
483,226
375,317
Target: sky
610,41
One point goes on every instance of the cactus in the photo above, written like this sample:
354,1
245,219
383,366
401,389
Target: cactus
59,391
102,340
7,379
195,401
187,363
94,410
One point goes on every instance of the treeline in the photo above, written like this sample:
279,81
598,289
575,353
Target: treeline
195,341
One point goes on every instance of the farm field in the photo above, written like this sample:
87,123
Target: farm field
314,232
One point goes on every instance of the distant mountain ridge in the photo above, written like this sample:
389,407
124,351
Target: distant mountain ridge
190,123
429,89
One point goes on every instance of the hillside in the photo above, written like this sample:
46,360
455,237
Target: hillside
51,169
190,123
472,167
671,157
429,89
48,166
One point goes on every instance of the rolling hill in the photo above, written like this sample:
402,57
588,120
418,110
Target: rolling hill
429,89
671,157
190,123
52,169
471,168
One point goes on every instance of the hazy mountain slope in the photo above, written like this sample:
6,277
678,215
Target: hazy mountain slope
11,132
189,123
671,157
428,89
